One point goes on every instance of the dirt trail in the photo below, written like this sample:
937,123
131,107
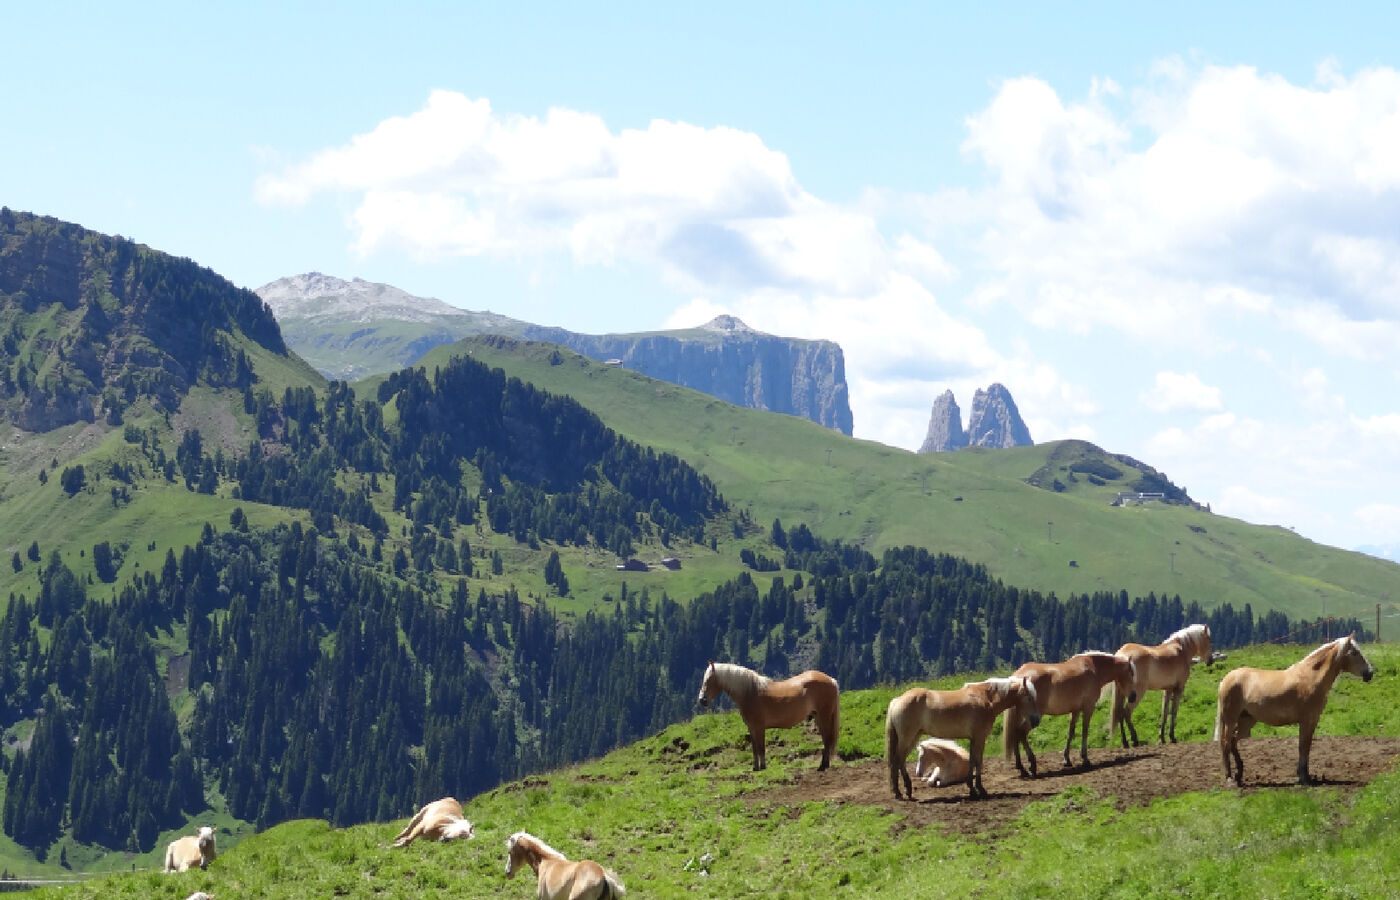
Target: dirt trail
1135,777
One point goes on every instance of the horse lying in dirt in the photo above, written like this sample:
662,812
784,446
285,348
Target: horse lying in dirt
442,820
183,854
942,762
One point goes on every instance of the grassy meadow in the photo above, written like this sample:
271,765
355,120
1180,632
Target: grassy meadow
974,503
676,816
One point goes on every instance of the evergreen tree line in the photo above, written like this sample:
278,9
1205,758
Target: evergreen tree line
323,688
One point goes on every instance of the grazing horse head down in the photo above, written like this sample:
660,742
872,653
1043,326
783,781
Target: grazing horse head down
557,878
764,703
1295,695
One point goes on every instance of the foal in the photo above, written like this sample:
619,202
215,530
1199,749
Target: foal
556,877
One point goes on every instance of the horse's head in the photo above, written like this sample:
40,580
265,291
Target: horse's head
1353,660
205,836
709,685
514,852
460,830
1026,704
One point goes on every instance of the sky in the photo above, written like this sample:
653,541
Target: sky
1172,232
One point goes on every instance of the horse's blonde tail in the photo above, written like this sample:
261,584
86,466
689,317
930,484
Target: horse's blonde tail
1115,710
1010,731
892,751
612,887
1219,718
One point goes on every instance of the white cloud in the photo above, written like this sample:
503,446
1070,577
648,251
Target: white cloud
1173,390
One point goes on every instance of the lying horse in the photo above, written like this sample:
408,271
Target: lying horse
1069,688
941,762
183,854
968,712
442,820
556,877
1164,668
1296,694
764,703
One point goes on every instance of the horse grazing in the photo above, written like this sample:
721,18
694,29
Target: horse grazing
764,703
1296,694
1069,688
556,877
968,712
1164,668
183,854
941,762
442,820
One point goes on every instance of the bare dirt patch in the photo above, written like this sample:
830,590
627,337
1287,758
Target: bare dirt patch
1134,777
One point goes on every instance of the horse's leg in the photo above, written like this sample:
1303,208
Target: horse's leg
1305,736
1176,705
974,775
1025,740
1162,725
758,737
1068,738
1084,735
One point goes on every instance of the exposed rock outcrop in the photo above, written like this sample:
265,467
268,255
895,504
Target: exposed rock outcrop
352,329
994,422
945,431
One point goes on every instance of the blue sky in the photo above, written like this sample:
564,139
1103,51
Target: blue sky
1172,232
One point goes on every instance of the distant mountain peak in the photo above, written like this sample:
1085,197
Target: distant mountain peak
313,295
994,422
729,324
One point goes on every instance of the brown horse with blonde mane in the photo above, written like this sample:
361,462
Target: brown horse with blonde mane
1071,688
764,703
1164,668
556,877
968,712
1295,695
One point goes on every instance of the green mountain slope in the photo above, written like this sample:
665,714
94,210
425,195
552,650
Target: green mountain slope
679,814
980,504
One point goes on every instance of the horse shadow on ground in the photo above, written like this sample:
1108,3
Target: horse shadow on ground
1080,769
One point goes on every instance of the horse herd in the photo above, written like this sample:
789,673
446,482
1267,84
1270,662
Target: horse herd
1246,696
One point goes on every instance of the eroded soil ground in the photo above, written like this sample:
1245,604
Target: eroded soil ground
1134,777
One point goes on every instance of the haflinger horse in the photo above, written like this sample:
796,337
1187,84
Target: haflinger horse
1069,688
968,712
942,762
184,853
1164,668
442,820
556,877
1296,694
764,703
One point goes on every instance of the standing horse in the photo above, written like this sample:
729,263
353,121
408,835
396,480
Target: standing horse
1296,694
764,703
1069,688
968,712
556,877
1162,668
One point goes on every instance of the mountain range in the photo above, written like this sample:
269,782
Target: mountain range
352,329
240,592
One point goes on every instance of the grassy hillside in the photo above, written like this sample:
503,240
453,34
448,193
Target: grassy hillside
680,814
975,503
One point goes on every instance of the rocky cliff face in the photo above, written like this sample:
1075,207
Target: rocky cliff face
945,431
352,329
995,422
727,359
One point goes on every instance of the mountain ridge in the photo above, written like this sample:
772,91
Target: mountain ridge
352,329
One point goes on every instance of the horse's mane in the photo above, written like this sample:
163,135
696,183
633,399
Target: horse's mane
740,682
540,846
1190,636
998,685
1314,658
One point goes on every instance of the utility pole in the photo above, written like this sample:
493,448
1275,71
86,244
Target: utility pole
1050,532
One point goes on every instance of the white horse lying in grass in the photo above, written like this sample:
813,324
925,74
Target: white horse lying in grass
183,854
442,820
944,762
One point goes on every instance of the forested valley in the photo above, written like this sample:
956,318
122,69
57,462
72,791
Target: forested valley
309,671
